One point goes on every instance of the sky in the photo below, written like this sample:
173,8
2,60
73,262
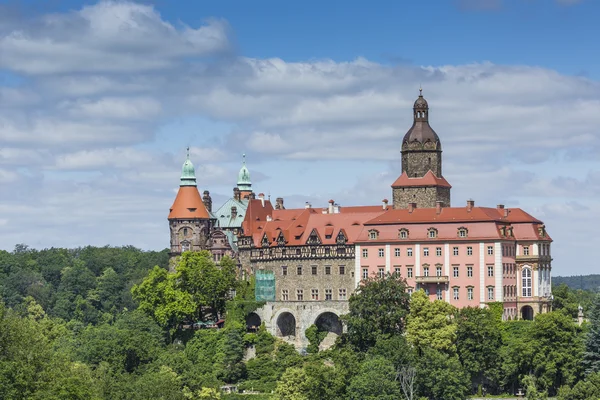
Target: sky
99,100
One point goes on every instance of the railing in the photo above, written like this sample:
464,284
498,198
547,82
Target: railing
432,279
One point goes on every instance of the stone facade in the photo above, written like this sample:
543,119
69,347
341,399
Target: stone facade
424,197
312,279
418,159
190,235
290,319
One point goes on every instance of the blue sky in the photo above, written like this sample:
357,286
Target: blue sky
98,101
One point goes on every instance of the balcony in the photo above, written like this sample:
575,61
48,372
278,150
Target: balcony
431,279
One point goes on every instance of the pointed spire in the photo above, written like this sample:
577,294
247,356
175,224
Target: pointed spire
244,183
188,173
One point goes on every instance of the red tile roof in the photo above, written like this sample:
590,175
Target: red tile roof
428,180
188,204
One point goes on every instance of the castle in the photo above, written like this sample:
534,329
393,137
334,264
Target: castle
308,261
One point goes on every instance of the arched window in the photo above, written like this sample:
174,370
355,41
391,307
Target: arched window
185,246
526,281
185,231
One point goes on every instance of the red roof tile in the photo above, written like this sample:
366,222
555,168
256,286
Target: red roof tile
428,180
188,204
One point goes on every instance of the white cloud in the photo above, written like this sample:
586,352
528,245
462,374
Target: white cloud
109,36
84,159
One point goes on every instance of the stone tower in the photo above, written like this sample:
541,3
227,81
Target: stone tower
189,220
421,181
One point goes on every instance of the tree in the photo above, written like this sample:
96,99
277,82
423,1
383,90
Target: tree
583,390
531,390
407,378
441,376
378,307
208,284
557,348
591,356
431,324
292,385
376,380
159,297
564,299
478,342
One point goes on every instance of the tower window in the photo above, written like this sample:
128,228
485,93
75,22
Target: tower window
185,231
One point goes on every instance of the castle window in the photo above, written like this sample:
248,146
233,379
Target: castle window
403,233
438,293
469,271
455,251
314,294
381,252
409,272
490,270
526,282
525,250
328,270
426,251
328,294
373,234
314,269
185,231
381,272
409,252
365,253
300,294
469,251
299,270
342,294
462,232
432,233
455,295
397,252
284,270
438,271
455,271
490,250
342,269
365,273
285,295
470,293
425,271
490,290
438,251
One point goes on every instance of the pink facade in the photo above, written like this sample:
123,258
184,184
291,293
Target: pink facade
468,257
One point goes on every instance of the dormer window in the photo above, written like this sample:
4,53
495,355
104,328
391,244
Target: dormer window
463,232
373,234
403,233
432,233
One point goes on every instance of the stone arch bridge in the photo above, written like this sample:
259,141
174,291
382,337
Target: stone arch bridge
290,319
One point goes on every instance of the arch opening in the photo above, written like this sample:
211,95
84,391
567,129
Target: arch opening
329,322
253,322
286,324
527,313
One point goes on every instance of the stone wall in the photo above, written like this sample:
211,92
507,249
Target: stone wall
417,163
307,281
425,197
290,319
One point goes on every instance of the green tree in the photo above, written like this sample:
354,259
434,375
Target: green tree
478,342
431,324
531,390
584,390
376,380
441,376
557,348
379,306
159,296
564,299
292,385
591,356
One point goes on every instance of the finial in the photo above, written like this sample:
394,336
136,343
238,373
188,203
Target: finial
244,158
420,91
188,152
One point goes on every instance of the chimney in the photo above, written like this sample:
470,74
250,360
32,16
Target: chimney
207,201
411,207
500,206
385,204
233,212
438,207
336,208
261,197
470,204
236,194
307,205
279,203
330,209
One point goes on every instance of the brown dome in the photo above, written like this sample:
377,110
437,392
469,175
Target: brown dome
421,131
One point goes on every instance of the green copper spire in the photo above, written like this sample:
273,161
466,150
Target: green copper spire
244,183
188,174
